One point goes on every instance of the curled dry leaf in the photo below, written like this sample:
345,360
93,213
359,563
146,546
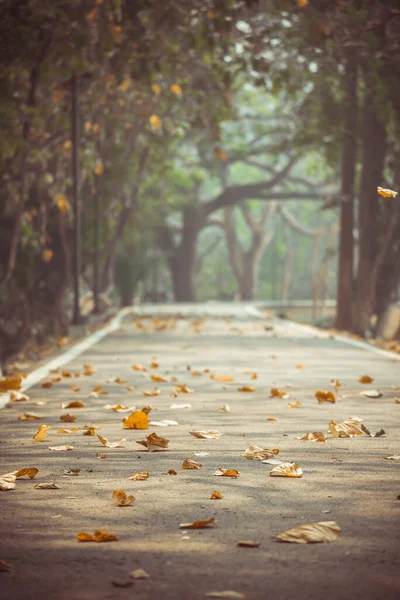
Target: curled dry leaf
172,472
117,407
139,476
139,574
41,433
7,482
108,444
394,457
183,389
257,453
136,420
296,404
75,388
225,408
271,419
47,486
311,533
10,383
18,396
206,435
276,393
68,418
315,436
386,193
227,473
248,544
29,472
246,388
154,443
197,524
60,448
100,535
216,495
74,404
68,431
287,470
138,367
226,595
159,379
323,396
122,499
366,379
89,370
372,394
347,429
221,378
29,417
154,392
47,384
188,463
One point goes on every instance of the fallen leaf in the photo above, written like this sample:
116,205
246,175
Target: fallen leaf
227,473
322,397
74,404
315,436
41,434
183,389
68,431
10,383
386,193
120,381
40,403
136,420
286,470
179,406
4,566
89,430
155,392
257,453
366,379
159,379
394,457
246,388
276,393
108,444
154,443
138,367
271,419
197,524
89,370
371,394
29,417
296,404
324,531
225,408
75,388
18,396
8,482
139,574
188,463
122,499
118,407
172,472
197,374
29,472
100,535
216,495
72,472
347,429
163,423
248,544
60,448
206,435
139,476
221,378
154,364
47,486
102,456
68,418
47,384
226,595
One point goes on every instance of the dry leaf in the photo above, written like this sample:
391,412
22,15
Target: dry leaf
322,397
286,470
163,423
139,476
216,495
68,431
226,595
394,457
136,420
296,404
10,383
386,193
41,434
75,388
108,444
138,367
139,574
225,408
183,389
206,435
72,472
4,566
100,535
18,396
371,394
366,379
102,456
60,448
89,370
197,524
122,499
68,418
159,379
271,419
180,406
154,443
315,436
221,378
246,388
154,392
75,404
29,472
257,453
47,384
188,463
47,486
29,417
172,472
118,407
7,482
248,544
227,473
347,429
89,430
324,531
276,393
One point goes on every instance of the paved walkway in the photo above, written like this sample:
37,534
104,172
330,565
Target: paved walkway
344,480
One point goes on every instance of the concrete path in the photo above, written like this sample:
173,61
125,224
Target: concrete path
344,480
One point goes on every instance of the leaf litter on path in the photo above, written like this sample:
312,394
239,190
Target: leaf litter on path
311,533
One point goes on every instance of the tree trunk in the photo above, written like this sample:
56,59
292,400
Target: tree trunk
344,313
183,264
374,149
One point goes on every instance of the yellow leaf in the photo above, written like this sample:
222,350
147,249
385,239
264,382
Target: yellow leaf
322,397
347,429
188,463
41,434
324,531
108,444
159,379
62,203
386,193
47,255
227,473
30,472
206,435
176,89
275,393
122,499
155,121
154,443
296,404
246,388
89,430
216,495
68,418
221,378
156,88
139,574
67,431
18,397
366,379
138,367
89,370
155,392
100,535
29,417
125,85
271,419
197,524
10,383
136,420
75,388
315,436
257,453
287,470
139,476
183,389
99,168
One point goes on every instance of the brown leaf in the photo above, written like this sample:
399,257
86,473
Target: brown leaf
366,379
271,419
29,472
89,370
68,418
257,453
122,499
227,473
47,486
75,388
296,404
47,384
108,444
10,383
315,436
136,420
138,367
172,472
216,495
41,433
89,430
221,378
347,429
183,389
154,392
322,397
100,535
29,417
75,404
72,472
324,531
139,476
18,396
188,463
154,443
246,388
276,393
286,470
206,435
248,544
159,379
197,524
